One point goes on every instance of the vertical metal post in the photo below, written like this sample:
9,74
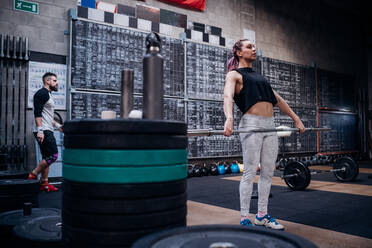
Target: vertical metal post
8,46
153,93
2,46
14,47
26,49
68,60
20,47
126,104
185,93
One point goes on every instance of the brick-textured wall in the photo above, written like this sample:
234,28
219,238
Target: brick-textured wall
44,30
296,31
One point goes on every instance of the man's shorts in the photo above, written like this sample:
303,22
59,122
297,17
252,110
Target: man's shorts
49,145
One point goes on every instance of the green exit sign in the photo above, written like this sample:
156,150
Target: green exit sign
26,6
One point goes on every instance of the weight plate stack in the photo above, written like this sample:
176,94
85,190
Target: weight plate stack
222,236
122,179
15,192
8,220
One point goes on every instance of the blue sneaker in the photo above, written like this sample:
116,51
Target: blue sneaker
246,222
268,221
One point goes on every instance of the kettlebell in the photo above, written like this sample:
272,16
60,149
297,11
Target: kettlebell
214,170
221,169
234,168
204,170
241,167
197,171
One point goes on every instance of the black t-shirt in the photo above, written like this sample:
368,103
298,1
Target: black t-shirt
44,108
256,88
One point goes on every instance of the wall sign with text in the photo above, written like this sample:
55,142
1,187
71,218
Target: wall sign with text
35,82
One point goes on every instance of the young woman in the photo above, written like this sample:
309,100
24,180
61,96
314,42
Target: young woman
255,98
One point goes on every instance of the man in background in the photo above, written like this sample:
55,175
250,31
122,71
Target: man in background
43,129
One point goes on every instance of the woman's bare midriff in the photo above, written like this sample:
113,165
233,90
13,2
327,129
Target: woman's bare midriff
264,109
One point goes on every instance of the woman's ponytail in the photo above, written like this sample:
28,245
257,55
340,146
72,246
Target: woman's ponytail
234,60
232,64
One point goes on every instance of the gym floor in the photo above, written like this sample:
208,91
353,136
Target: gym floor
328,213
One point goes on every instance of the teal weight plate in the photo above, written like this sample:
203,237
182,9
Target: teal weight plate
124,157
133,174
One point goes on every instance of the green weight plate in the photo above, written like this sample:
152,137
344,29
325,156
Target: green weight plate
124,157
135,174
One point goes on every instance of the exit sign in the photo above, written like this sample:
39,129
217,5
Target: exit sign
26,6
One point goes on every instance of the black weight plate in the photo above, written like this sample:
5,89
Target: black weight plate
40,232
299,182
124,141
124,222
12,218
73,236
124,191
115,206
231,236
13,175
19,186
128,126
351,169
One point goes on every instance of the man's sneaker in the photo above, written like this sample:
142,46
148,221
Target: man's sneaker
246,222
268,221
45,186
32,176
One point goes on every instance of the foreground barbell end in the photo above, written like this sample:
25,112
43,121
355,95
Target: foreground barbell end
284,133
210,132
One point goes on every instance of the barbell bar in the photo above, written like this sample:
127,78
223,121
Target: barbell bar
210,131
343,169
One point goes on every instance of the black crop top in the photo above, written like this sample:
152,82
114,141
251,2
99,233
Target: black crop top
255,89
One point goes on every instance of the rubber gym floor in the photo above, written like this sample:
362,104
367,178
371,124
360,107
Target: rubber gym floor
328,213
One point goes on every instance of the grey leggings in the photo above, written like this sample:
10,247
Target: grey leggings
257,148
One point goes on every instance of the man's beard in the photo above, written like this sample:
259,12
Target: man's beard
53,88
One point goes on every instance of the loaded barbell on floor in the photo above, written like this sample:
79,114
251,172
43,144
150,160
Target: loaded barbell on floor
297,175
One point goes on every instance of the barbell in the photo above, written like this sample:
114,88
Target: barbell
297,175
288,130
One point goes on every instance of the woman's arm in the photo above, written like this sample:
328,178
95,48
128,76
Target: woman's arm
228,102
284,107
